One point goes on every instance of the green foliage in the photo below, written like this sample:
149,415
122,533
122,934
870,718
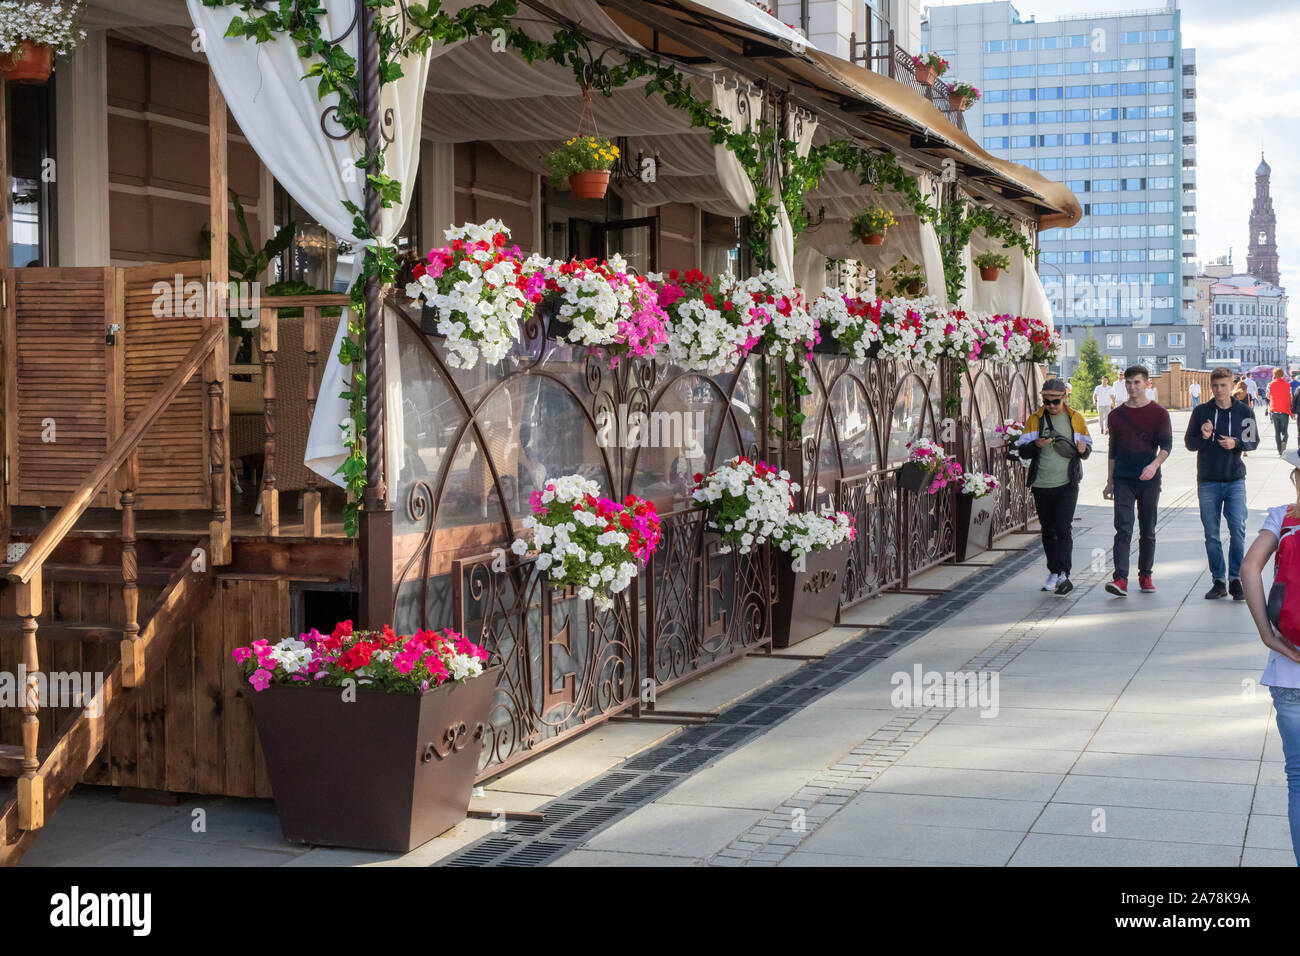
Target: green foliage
247,260
1093,364
957,222
906,278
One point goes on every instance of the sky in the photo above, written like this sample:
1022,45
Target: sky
1247,98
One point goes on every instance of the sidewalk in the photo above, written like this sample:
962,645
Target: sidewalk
1130,731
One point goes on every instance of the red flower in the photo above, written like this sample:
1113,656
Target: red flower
342,629
698,477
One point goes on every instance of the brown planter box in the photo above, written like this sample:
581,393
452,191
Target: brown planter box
974,521
385,772
957,104
926,75
874,239
809,599
912,477
830,345
989,273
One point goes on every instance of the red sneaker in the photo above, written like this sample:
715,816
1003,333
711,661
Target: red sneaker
1118,586
1145,585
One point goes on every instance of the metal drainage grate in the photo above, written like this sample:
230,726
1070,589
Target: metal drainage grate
580,815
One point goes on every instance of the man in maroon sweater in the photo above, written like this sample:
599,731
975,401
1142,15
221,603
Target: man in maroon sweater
1141,438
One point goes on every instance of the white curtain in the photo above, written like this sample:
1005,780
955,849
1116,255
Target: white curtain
739,104
278,111
800,126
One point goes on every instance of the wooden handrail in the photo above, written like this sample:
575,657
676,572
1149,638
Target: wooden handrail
57,529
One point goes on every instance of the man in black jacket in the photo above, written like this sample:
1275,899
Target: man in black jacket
1219,432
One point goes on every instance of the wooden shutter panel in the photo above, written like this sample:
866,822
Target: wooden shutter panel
173,462
59,380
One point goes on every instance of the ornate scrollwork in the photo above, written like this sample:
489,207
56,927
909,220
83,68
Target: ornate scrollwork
453,740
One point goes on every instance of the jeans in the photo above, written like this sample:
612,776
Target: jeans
1228,498
1055,514
1146,495
1280,420
1286,701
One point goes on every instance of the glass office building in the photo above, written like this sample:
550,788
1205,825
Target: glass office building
1106,104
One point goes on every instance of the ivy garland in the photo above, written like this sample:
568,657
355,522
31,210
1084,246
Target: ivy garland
756,149
957,223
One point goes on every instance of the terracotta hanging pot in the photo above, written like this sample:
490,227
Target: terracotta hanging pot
874,239
989,273
926,75
593,184
29,63
957,104
912,286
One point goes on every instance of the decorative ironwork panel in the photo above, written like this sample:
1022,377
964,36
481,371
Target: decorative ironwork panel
703,608
565,664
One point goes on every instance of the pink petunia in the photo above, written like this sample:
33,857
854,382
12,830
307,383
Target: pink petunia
260,679
241,654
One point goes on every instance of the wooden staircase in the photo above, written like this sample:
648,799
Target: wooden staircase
46,774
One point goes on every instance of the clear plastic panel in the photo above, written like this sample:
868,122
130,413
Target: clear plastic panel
909,420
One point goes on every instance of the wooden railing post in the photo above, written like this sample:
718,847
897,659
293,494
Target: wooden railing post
311,508
216,370
269,344
31,789
219,473
132,663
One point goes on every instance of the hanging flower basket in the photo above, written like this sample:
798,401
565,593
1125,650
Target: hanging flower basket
990,264
585,161
912,477
29,63
960,96
871,224
957,104
592,184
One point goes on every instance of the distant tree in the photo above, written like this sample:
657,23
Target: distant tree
1093,364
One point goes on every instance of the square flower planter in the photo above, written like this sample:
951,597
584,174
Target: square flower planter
809,599
830,345
382,772
974,523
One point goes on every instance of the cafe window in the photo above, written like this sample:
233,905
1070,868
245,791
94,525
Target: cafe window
30,138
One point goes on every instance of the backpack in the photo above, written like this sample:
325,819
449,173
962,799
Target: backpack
1284,596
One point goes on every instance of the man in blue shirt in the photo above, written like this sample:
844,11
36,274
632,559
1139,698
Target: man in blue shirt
1295,381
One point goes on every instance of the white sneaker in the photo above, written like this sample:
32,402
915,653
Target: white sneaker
1051,582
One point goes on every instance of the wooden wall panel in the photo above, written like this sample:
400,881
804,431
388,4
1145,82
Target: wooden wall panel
158,156
489,186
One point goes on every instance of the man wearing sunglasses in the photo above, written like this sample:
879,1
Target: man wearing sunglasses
1141,438
1055,442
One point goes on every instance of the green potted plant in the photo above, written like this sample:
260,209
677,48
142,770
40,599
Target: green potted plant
906,278
870,225
929,68
990,263
372,740
32,34
585,161
248,262
961,95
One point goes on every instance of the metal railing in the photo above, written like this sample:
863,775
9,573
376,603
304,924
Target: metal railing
886,56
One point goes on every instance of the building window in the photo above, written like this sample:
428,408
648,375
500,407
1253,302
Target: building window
1132,36
1133,159
1133,136
995,96
995,142
1115,341
996,72
1132,89
1025,70
1128,185
1077,139
1146,340
1104,66
1021,119
1019,96
1176,340
1120,360
1105,89
1076,92
995,119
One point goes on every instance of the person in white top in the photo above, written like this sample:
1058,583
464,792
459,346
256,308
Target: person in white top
1282,672
1151,393
1194,390
1120,391
1253,391
1103,397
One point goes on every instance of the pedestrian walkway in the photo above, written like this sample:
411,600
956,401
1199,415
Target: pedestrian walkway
1128,731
